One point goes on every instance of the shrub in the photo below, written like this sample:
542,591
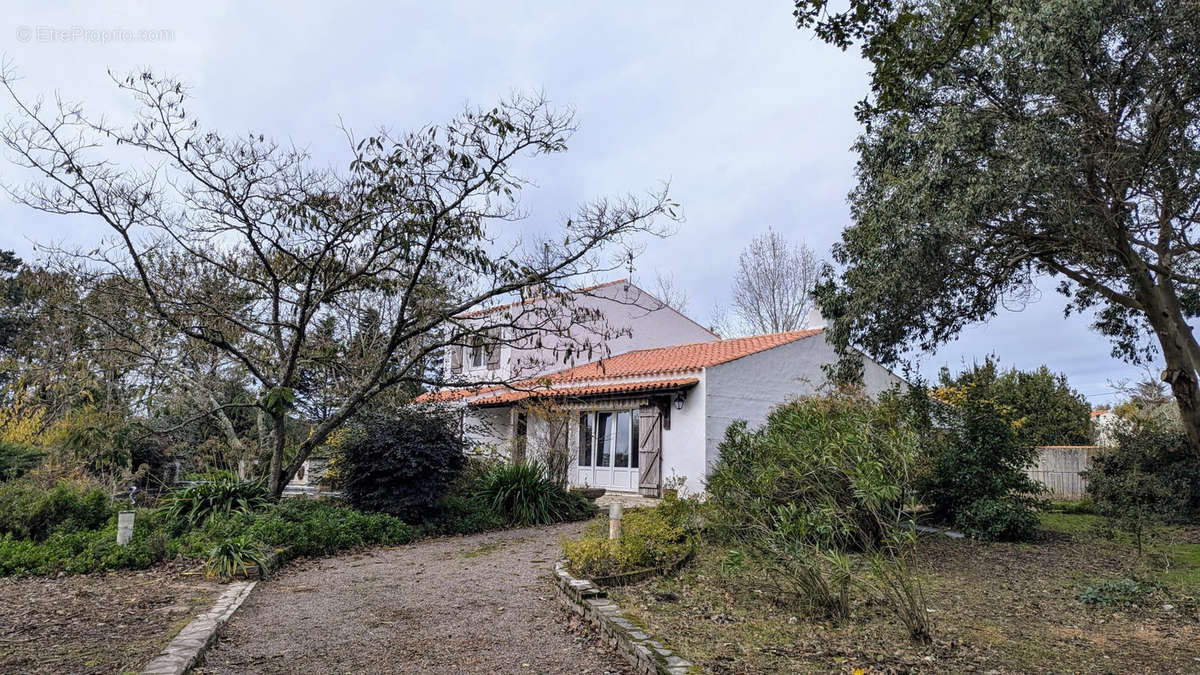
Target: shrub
823,478
998,520
1118,592
523,495
316,527
1150,475
978,458
198,504
234,556
88,551
17,459
823,471
463,514
649,538
299,527
402,465
29,511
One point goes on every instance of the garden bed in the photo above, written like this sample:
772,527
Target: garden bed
103,623
995,607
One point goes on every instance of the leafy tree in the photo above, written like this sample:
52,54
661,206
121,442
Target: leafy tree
1045,409
246,247
11,299
1006,141
974,468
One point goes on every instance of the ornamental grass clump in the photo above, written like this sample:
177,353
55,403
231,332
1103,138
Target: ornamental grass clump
197,505
233,557
523,495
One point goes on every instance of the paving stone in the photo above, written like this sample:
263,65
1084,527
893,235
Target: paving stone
191,642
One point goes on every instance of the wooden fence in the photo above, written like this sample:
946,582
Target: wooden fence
1058,468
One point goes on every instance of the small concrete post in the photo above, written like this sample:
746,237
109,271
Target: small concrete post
614,520
124,527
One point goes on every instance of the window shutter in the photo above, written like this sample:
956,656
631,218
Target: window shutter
456,356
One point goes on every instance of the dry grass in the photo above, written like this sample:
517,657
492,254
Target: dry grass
102,623
1007,608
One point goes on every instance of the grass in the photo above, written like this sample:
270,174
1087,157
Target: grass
1004,607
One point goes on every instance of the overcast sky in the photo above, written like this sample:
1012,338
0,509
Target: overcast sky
749,119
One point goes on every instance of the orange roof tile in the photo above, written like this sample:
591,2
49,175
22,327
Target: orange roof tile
514,395
489,310
678,358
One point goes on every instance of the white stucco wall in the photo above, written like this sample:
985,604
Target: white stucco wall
487,429
749,387
683,443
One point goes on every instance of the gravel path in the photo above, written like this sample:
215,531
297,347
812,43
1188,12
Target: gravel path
478,604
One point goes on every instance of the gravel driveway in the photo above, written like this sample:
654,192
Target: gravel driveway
474,604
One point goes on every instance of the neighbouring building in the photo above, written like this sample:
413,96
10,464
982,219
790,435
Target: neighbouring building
1105,425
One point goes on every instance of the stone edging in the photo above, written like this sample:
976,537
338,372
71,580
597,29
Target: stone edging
185,650
646,655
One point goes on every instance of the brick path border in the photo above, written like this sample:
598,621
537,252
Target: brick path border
188,647
646,655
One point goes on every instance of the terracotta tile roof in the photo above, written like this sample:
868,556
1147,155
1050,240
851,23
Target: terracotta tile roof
513,395
489,310
1097,413
678,358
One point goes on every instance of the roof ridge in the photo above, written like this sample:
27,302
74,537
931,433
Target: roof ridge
472,313
810,331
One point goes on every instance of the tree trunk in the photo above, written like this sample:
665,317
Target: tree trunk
1177,343
276,481
1181,375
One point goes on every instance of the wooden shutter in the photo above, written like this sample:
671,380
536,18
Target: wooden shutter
456,354
650,451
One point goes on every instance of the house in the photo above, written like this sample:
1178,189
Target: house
646,418
1106,424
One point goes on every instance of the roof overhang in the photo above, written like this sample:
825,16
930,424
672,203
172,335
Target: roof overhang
585,391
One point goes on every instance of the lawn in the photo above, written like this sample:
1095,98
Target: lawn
996,607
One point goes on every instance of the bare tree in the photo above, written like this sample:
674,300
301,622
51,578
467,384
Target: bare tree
773,288
249,247
669,293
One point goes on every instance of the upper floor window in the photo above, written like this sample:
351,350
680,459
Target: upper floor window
476,351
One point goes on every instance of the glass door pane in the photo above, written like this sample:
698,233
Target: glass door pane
604,439
621,444
635,440
585,439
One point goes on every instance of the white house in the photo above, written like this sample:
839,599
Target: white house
1106,424
644,416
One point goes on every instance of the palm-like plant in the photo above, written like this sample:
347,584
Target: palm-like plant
198,504
234,556
524,495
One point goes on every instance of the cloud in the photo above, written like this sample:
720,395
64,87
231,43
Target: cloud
749,119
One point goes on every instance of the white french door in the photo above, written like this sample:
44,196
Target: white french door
608,449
